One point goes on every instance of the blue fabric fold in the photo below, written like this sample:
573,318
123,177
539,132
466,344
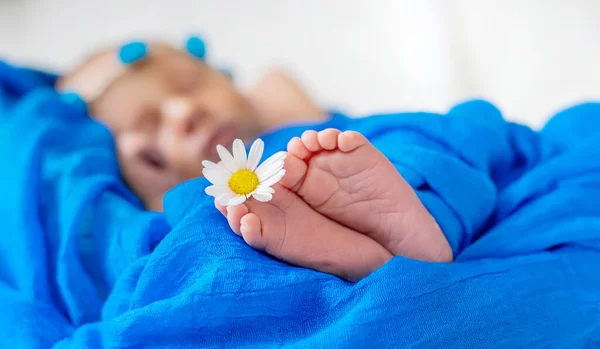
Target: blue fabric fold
83,265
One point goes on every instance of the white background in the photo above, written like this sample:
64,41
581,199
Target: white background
529,57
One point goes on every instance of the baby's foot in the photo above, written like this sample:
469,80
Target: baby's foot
288,229
344,177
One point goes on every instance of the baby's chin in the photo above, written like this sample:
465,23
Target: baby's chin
190,171
223,135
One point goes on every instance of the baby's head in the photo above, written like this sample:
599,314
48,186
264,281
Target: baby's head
167,113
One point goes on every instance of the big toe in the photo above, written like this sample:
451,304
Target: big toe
234,216
251,230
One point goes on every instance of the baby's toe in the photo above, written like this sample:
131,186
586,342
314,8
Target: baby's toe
234,216
221,208
251,231
350,140
328,138
311,140
297,148
295,170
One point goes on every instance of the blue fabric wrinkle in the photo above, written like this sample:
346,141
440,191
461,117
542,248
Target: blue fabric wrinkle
83,265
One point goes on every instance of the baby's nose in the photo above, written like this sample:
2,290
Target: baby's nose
182,114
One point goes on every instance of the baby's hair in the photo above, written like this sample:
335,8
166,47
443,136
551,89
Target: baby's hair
100,70
92,77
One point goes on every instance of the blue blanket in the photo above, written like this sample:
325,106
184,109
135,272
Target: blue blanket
83,265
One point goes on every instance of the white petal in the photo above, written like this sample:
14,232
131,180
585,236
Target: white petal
267,171
210,164
239,153
272,164
262,196
224,199
266,189
276,177
217,169
216,190
256,152
218,175
238,200
279,156
227,158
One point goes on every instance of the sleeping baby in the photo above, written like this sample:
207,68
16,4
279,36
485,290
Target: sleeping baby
168,110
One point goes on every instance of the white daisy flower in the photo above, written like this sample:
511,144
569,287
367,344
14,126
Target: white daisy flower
238,178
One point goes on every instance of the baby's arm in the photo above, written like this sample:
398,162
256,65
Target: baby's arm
279,99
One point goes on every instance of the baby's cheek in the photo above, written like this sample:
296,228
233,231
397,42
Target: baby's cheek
128,144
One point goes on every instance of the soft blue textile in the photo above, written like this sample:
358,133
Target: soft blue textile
83,265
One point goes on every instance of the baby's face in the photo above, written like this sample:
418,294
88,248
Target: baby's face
167,114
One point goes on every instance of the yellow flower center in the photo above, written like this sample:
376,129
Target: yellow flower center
243,182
